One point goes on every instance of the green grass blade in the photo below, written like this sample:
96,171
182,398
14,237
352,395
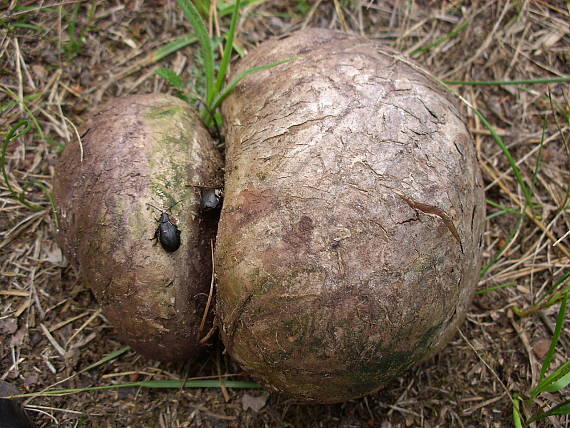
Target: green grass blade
224,10
171,77
57,145
173,46
518,175
558,374
228,49
109,357
22,195
72,27
29,26
231,86
559,384
517,420
206,383
560,319
195,19
557,294
203,6
538,157
499,213
554,295
502,210
560,409
439,41
508,82
13,134
498,206
51,201
156,384
499,254
496,287
11,104
22,102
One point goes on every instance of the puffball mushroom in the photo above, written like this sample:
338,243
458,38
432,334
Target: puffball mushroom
349,244
137,153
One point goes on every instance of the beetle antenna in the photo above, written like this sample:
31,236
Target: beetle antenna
173,205
156,208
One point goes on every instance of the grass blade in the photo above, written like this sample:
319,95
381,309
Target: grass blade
29,26
502,210
558,374
22,102
228,49
439,41
231,86
561,409
496,287
554,295
109,357
171,77
203,6
508,82
27,98
518,175
226,10
157,384
517,420
195,19
173,46
559,384
13,134
560,319
502,250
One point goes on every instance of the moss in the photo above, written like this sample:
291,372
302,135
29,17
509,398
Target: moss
299,328
311,336
167,162
429,334
374,372
163,111
261,282
169,185
138,227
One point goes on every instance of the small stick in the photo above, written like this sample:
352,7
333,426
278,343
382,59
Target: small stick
210,295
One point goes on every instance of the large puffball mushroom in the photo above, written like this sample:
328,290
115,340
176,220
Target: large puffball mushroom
349,242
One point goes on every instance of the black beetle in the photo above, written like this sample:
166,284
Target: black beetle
167,233
11,412
211,200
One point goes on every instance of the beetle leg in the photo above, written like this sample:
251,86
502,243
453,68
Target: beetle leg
155,237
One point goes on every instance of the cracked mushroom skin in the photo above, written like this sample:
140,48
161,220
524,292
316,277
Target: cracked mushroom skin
136,151
349,244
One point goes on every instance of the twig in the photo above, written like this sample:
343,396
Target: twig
210,295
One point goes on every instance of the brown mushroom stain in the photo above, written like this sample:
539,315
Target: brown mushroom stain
300,233
251,204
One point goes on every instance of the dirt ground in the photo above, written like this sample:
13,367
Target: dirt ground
60,59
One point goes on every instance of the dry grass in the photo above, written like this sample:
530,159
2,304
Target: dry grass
64,66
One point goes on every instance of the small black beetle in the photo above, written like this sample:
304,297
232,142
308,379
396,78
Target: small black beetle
211,200
167,233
